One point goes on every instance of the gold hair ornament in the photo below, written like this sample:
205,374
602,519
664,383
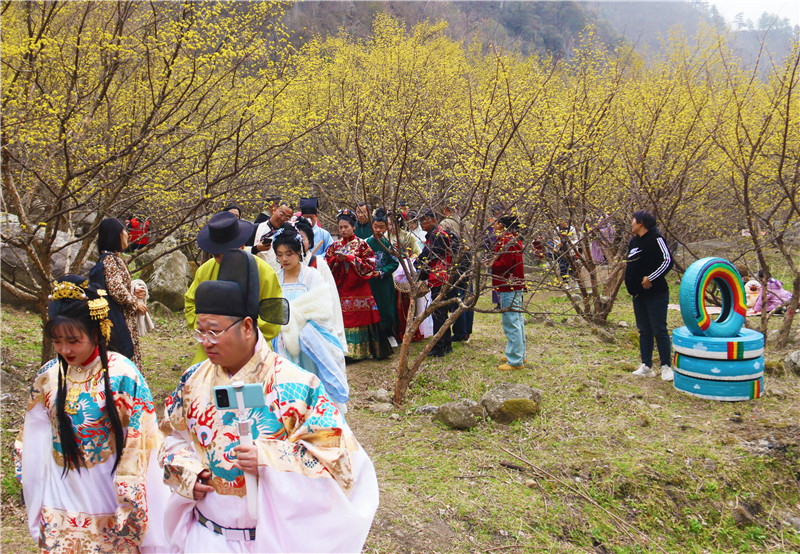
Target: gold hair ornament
105,329
98,309
65,289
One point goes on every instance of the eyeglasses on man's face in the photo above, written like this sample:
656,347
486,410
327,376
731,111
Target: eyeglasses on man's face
212,336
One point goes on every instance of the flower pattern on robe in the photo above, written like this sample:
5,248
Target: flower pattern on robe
299,429
122,530
352,280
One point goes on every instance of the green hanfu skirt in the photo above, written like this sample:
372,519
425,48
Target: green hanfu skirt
367,341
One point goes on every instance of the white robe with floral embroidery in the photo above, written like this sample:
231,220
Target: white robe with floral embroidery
317,489
94,509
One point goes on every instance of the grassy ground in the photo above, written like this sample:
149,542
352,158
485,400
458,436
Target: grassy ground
614,463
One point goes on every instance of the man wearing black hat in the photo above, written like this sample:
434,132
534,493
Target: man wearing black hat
315,487
322,238
223,232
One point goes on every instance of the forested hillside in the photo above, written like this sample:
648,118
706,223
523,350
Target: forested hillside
546,27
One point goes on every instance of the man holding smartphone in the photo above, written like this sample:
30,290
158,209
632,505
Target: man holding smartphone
316,487
262,245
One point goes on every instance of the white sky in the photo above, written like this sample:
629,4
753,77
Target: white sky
753,9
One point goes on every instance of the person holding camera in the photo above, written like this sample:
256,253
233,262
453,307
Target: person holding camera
223,232
316,488
262,245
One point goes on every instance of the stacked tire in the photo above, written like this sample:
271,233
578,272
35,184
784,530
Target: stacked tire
717,359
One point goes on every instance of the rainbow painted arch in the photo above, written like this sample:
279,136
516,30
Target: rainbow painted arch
697,279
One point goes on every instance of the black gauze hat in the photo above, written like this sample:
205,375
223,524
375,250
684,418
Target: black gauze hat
236,292
223,232
309,205
380,215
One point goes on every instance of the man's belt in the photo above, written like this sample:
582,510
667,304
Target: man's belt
230,533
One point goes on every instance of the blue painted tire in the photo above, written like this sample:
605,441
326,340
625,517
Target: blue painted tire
695,281
718,370
746,345
727,391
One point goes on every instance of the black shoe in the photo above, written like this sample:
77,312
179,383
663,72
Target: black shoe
436,354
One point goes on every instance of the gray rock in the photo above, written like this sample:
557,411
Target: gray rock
16,265
381,408
603,334
464,414
157,309
149,257
742,517
379,395
394,416
623,323
512,401
794,521
791,363
169,280
427,409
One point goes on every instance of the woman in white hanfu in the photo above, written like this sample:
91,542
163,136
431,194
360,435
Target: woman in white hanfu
318,263
85,463
309,339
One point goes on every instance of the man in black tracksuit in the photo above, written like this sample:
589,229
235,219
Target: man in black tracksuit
649,260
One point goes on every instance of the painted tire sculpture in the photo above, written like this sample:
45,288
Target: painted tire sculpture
695,314
730,391
746,345
718,370
717,359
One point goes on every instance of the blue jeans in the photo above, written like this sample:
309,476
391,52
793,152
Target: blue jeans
514,327
651,319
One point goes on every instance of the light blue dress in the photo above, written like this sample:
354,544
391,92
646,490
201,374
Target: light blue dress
309,339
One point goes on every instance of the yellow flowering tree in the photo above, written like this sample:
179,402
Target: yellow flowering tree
117,107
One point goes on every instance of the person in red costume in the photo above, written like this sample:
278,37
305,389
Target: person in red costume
352,263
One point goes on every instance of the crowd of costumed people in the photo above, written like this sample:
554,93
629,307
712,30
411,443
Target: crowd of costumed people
253,452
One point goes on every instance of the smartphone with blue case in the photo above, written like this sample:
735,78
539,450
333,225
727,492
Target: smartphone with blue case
225,397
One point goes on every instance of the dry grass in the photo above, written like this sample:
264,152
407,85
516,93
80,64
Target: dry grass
613,463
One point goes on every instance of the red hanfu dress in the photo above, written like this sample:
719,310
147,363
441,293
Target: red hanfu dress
365,337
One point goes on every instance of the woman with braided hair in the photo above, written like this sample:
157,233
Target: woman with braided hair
84,461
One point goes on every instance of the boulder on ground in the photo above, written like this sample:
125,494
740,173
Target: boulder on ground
157,309
464,414
149,257
169,279
512,401
379,396
381,407
791,364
